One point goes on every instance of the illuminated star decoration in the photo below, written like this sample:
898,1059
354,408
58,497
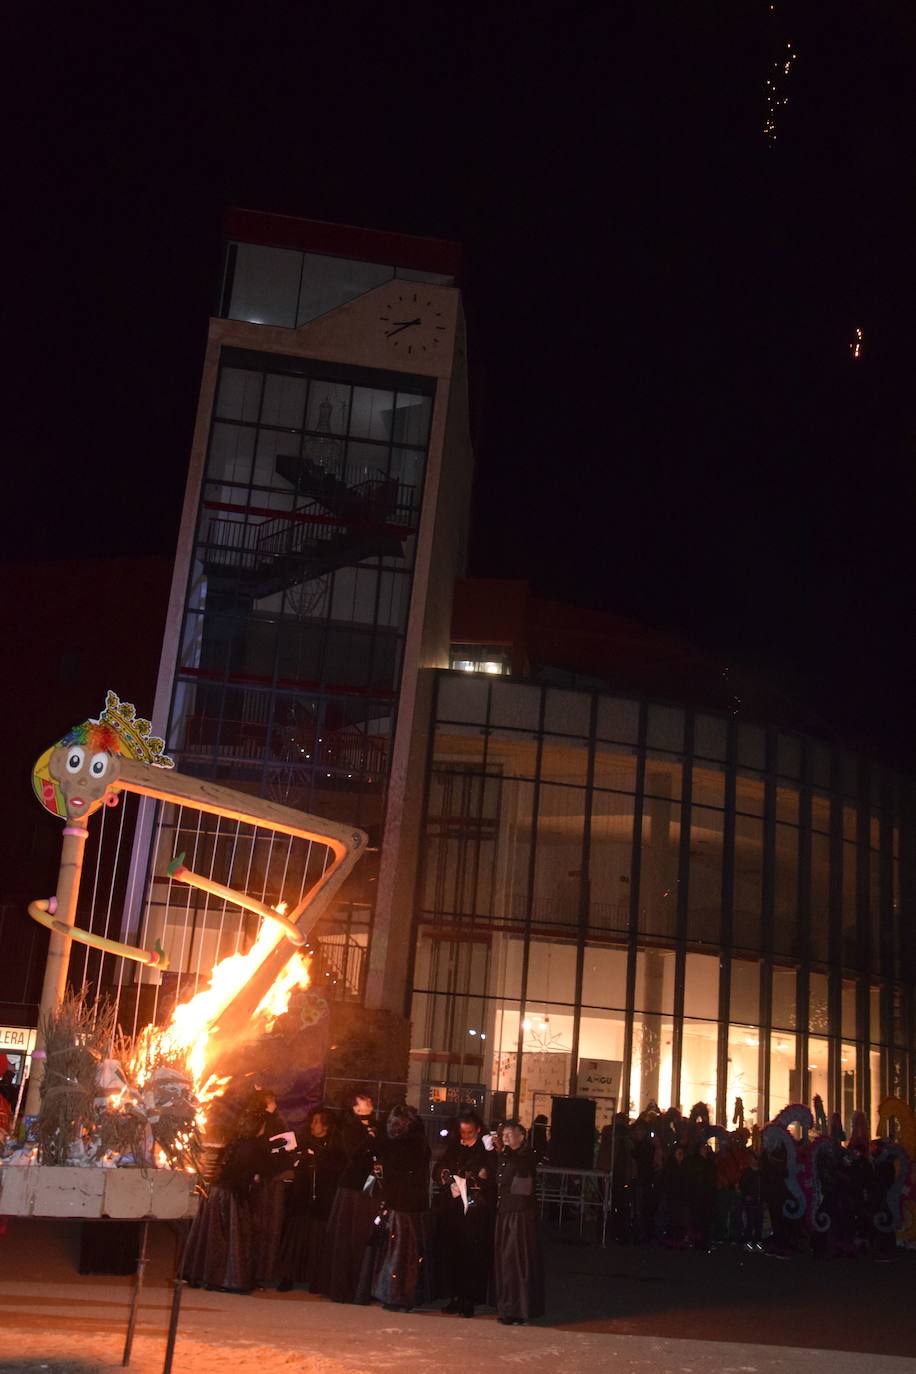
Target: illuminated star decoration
855,347
774,89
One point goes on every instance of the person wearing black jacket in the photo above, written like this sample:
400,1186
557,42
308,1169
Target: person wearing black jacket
465,1216
311,1194
346,1271
401,1268
518,1263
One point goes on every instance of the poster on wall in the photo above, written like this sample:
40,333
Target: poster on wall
599,1078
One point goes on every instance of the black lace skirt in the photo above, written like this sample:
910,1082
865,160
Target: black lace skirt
346,1273
518,1267
220,1250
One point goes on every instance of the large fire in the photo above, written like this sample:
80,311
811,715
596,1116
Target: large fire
195,1023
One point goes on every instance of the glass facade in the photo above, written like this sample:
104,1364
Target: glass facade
297,602
282,286
711,910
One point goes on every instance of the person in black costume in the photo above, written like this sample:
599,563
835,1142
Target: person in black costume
268,1199
465,1217
346,1271
518,1263
311,1194
401,1268
221,1246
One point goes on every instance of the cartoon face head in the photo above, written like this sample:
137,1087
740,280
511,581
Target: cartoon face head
79,772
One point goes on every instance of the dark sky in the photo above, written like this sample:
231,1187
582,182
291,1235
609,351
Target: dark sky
669,422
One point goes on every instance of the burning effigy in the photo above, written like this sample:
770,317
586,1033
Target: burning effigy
193,918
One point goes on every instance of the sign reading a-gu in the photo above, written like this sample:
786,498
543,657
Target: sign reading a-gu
598,1078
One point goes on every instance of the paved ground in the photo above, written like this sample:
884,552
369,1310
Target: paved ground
627,1309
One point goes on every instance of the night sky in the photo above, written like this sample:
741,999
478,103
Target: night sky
669,422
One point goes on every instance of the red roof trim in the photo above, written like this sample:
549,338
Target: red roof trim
344,241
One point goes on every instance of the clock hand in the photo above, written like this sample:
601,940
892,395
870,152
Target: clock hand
399,325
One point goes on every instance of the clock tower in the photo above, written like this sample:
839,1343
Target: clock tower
323,528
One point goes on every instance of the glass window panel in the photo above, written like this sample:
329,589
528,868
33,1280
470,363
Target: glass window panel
546,1058
850,823
564,760
459,744
371,413
618,719
820,812
568,713
750,794
615,767
406,468
231,452
784,1082
330,282
328,407
818,1005
654,981
747,896
558,860
818,757
898,1014
551,972
666,728
701,985
610,859
661,838
708,785
704,884
412,415
462,698
710,737
601,1036
604,978
651,1064
848,1084
512,754
788,756
850,775
752,746
745,991
664,775
787,805
850,906
783,1012
265,286
284,401
238,395
744,1075
699,1055
818,1076
877,1093
516,705
786,889
875,1018
849,1008
820,897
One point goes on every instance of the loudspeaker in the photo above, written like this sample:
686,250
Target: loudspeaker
572,1133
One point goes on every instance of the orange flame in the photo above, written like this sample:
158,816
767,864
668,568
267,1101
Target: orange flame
194,1022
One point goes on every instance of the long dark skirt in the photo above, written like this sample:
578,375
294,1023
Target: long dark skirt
219,1252
518,1267
303,1250
347,1270
268,1206
401,1270
463,1250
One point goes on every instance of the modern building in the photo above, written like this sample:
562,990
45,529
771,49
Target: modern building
601,865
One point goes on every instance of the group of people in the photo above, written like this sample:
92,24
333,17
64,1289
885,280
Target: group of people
354,1207
668,1185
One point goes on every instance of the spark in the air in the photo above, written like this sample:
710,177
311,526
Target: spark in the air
775,88
855,346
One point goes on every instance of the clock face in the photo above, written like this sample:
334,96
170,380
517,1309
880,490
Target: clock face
411,324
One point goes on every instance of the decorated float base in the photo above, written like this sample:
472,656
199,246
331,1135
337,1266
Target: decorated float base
45,1190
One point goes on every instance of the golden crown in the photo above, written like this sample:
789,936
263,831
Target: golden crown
136,733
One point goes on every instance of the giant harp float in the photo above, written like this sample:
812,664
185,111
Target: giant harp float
181,933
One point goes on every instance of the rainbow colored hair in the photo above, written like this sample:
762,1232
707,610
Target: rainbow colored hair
94,736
